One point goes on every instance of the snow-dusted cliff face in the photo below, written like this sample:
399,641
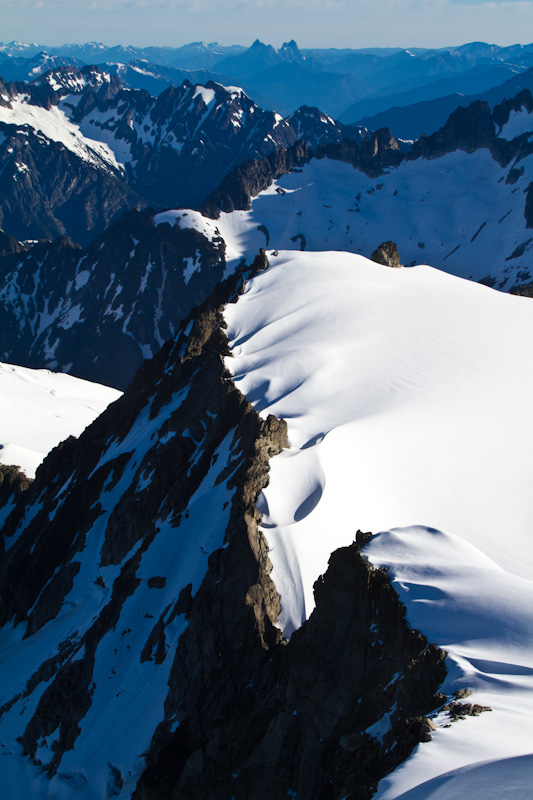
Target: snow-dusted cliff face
406,393
77,148
121,148
98,312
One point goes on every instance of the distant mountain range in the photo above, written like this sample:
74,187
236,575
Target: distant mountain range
412,121
348,84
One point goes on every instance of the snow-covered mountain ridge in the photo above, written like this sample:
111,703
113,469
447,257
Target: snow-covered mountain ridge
461,199
395,388
124,619
188,606
404,393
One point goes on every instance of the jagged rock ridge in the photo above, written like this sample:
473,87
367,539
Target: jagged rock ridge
79,148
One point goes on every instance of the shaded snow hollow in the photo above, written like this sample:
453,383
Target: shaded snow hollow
407,395
39,409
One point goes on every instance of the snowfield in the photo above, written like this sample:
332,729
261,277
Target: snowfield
39,409
408,395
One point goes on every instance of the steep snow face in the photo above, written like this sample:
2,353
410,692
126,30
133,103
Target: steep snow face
165,454
39,409
407,394
55,125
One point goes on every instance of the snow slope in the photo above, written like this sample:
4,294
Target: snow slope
55,125
407,394
39,409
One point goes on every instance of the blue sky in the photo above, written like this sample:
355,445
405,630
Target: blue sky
312,23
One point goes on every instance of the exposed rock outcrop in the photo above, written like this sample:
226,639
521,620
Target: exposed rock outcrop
466,129
183,413
502,112
474,127
325,715
12,482
522,289
373,155
528,209
10,245
245,182
387,254
317,128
